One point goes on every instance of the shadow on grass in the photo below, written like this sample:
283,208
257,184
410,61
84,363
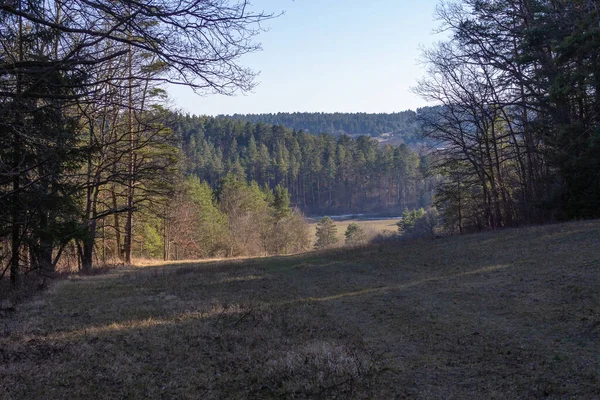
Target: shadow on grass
386,289
135,297
510,316
226,305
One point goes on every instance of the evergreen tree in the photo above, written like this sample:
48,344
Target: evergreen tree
326,234
211,226
355,235
281,203
409,220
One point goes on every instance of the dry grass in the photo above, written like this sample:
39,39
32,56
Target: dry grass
515,314
371,227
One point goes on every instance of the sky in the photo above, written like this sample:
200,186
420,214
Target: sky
330,56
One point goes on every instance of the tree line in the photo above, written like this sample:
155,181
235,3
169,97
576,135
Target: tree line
84,144
94,167
324,174
404,125
235,219
517,127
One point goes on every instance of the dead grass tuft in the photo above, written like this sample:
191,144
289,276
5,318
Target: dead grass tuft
318,368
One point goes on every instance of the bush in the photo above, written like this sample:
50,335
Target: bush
409,219
428,224
419,223
290,235
355,235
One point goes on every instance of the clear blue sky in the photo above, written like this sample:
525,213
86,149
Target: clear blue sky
331,55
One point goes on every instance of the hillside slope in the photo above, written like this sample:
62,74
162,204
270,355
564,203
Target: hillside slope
402,124
513,314
324,174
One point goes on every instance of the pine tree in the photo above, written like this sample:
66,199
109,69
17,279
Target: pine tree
281,203
355,235
409,220
326,234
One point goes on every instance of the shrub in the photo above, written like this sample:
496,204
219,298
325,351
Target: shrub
409,219
290,235
419,223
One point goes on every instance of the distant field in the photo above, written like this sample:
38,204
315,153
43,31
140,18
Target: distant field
370,226
506,315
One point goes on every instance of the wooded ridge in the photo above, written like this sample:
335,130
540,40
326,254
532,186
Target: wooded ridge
323,173
404,125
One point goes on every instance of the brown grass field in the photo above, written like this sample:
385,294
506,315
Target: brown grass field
505,315
371,227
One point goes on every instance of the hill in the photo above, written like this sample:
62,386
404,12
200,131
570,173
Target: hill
324,174
401,125
511,314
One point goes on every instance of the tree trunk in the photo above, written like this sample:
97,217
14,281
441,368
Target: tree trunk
130,178
16,181
44,254
165,235
87,251
117,225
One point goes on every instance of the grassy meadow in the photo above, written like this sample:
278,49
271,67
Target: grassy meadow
371,227
511,314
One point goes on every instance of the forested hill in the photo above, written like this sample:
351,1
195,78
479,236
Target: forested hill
401,124
323,173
